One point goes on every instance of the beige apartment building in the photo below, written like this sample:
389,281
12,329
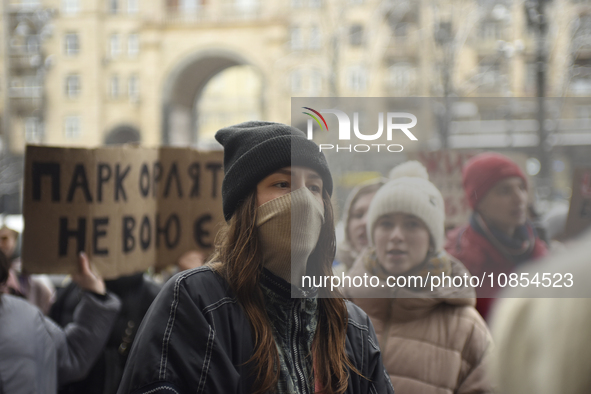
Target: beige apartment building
108,71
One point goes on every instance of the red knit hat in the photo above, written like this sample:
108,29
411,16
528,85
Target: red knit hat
485,170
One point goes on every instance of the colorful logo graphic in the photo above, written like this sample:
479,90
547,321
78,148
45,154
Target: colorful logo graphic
388,124
315,118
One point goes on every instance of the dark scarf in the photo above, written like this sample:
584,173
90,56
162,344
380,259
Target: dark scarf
294,322
517,249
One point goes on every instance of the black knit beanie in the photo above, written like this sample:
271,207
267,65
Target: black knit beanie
253,150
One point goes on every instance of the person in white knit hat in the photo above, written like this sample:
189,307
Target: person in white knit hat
433,341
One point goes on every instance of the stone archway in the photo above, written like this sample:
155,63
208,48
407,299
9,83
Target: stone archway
123,134
183,87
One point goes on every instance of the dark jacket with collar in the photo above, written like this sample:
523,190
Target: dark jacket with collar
196,338
136,293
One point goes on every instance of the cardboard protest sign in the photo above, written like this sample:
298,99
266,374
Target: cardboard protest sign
579,213
128,208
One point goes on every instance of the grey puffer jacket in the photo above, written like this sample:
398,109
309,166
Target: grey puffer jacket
37,355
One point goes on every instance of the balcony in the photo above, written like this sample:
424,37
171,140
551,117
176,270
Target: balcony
26,87
32,92
21,6
217,12
25,62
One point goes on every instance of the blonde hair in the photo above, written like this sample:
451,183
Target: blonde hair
543,346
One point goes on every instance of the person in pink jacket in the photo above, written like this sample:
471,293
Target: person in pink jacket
433,341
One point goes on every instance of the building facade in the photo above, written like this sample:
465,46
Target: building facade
94,72
134,70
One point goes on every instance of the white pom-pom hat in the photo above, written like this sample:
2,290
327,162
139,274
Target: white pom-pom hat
411,169
409,191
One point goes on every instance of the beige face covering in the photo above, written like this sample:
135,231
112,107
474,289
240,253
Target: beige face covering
289,227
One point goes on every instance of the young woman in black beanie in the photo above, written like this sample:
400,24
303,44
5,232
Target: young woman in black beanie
243,323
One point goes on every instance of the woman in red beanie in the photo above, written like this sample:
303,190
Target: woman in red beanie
498,237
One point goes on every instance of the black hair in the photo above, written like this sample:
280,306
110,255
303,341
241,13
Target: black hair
4,268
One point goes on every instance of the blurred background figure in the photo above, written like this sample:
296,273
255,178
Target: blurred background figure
136,293
554,222
543,345
37,355
34,289
431,341
188,260
499,235
355,222
191,259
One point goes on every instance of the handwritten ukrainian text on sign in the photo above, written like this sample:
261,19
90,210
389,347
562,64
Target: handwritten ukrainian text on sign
128,208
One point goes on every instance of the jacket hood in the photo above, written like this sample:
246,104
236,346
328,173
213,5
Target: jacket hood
404,303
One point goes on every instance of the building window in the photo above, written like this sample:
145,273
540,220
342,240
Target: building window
30,3
32,87
580,76
356,35
189,6
113,6
491,78
114,86
133,45
490,30
71,44
72,126
315,41
246,5
296,81
133,88
115,45
402,78
133,6
296,38
580,86
297,3
33,45
490,75
72,86
70,7
315,83
357,79
315,3
33,131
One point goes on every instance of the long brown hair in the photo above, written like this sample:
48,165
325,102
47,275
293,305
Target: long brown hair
237,259
4,269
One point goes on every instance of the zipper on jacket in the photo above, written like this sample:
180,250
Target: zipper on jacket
387,326
296,337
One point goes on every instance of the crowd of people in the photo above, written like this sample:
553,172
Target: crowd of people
242,322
